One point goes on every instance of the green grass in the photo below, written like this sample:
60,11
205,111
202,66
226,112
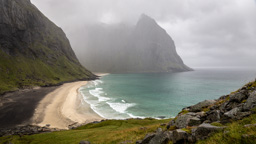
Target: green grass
21,72
107,132
234,133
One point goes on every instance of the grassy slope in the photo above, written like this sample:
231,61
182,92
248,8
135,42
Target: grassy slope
22,72
107,132
234,132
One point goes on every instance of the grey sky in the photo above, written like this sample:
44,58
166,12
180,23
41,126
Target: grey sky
207,33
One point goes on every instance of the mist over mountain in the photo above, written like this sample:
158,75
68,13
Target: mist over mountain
33,50
118,48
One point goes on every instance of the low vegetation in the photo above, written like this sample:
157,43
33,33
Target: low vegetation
238,132
20,72
107,132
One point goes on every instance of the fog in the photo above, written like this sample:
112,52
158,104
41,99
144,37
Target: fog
206,33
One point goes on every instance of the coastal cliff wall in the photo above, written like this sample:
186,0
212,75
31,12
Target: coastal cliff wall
33,50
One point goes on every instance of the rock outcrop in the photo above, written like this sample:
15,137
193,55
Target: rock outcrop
33,50
199,121
145,47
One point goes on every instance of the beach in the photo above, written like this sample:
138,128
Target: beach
63,107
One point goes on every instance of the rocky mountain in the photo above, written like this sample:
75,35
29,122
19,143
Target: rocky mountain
33,50
145,47
202,120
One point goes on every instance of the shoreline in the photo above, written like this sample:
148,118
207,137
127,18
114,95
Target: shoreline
63,107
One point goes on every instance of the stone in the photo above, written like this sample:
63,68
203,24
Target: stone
213,115
179,136
237,97
236,114
147,138
232,113
204,130
250,125
161,138
194,121
84,142
126,142
182,121
251,101
198,107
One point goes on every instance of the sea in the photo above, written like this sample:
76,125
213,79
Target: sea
160,95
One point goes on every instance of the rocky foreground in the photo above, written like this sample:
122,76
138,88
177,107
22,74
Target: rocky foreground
200,121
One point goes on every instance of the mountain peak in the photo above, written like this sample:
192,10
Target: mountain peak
146,19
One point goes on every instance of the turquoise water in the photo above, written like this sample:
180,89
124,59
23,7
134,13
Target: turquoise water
120,96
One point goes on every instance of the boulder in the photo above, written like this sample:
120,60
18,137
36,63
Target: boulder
162,138
213,115
146,139
236,114
194,121
84,142
189,119
204,130
179,136
182,121
198,107
251,101
237,97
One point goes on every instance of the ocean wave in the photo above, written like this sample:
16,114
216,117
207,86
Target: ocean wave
133,116
97,82
120,107
96,92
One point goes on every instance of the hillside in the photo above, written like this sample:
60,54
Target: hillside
123,48
33,50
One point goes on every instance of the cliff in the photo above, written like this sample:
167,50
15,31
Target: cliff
145,47
33,50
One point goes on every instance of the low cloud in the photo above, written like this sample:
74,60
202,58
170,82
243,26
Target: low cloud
206,33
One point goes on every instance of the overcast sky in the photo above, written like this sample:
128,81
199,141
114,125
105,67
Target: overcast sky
207,33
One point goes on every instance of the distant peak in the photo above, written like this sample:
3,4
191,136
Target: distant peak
146,20
145,17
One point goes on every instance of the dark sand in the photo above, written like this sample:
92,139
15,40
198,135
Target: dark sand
17,108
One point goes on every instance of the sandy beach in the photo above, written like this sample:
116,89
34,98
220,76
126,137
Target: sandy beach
63,107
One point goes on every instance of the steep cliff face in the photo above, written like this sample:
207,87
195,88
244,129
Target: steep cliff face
33,50
145,47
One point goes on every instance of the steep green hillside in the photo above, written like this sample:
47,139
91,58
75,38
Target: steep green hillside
33,50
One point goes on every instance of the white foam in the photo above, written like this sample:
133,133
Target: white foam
96,92
97,82
120,107
133,116
123,101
